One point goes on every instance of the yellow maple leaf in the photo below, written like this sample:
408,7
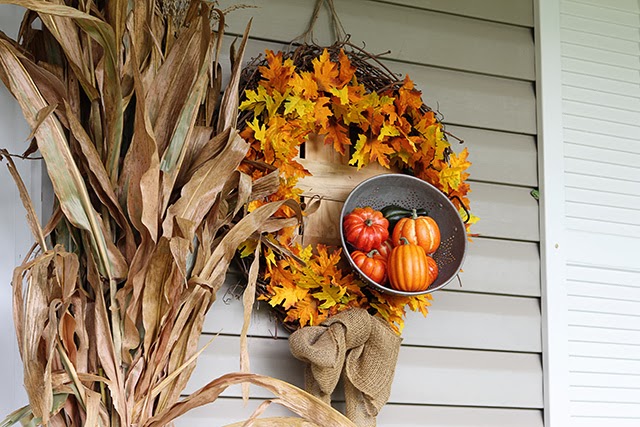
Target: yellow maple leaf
452,175
302,107
304,85
285,291
305,312
331,295
341,94
370,150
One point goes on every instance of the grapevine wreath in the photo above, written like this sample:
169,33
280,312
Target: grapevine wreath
349,99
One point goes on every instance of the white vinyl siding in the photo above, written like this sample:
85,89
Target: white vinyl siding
600,47
475,361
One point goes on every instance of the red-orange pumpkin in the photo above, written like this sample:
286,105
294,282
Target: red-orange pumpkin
408,268
372,264
365,228
385,249
419,230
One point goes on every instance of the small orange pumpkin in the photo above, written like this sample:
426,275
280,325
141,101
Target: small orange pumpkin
408,268
433,269
419,230
372,264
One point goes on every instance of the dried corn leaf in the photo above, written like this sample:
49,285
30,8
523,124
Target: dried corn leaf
298,401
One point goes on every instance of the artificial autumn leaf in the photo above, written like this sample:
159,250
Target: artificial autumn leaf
331,295
285,293
277,73
325,72
347,70
303,84
408,97
452,175
302,107
369,150
305,312
337,135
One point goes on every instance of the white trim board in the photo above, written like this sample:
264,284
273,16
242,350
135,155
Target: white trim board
551,175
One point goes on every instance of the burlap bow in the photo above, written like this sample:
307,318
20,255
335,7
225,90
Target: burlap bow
361,348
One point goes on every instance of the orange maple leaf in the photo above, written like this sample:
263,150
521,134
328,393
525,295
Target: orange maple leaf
347,71
277,73
408,97
325,72
336,135
369,150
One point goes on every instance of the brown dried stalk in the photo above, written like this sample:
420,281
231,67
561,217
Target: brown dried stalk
142,152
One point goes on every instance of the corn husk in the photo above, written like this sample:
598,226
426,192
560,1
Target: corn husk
126,110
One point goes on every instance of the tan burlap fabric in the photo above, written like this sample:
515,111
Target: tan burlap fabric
360,348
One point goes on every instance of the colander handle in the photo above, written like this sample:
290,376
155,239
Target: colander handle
463,208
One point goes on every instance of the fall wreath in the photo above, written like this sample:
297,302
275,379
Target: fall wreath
349,99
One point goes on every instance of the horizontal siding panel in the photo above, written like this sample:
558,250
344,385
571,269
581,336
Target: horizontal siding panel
229,410
603,380
590,96
598,365
597,320
603,213
456,319
603,113
599,305
586,421
499,156
598,69
604,228
603,395
461,375
623,5
604,350
600,183
602,84
582,137
606,155
603,290
501,267
604,28
599,127
475,100
604,42
517,12
628,18
600,274
463,98
628,172
602,198
472,45
597,54
605,335
607,411
505,212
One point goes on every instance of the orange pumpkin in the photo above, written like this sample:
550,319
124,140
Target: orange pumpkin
408,268
433,269
418,230
372,264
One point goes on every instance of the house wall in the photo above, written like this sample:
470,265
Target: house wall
476,359
15,237
600,61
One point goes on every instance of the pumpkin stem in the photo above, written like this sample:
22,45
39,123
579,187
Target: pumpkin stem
414,214
404,241
372,253
368,222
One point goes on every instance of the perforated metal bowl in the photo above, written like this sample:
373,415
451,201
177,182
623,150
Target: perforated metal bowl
412,193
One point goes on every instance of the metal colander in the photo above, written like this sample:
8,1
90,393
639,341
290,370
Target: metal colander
412,193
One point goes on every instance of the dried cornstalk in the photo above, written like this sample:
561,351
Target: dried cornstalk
125,107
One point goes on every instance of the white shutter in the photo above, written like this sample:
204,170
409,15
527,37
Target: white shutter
600,43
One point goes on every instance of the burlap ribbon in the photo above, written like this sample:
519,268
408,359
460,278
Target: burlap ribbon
361,348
